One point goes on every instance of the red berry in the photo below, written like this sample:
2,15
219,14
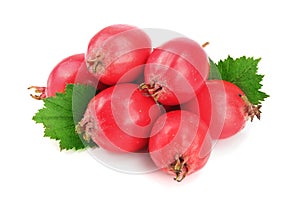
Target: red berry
179,143
224,107
175,71
201,104
119,118
116,53
68,71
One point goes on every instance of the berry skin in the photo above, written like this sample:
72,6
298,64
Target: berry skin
116,53
201,104
179,143
175,71
119,118
68,71
223,106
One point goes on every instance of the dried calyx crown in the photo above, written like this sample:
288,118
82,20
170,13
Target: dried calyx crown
39,92
180,168
250,109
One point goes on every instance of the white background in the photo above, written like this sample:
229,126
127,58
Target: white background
260,162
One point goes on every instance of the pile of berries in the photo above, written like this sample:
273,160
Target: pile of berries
157,100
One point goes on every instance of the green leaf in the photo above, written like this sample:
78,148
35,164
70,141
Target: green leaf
243,73
214,71
62,112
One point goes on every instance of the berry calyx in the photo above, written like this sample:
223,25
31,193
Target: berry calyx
96,64
153,89
251,110
39,92
180,168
